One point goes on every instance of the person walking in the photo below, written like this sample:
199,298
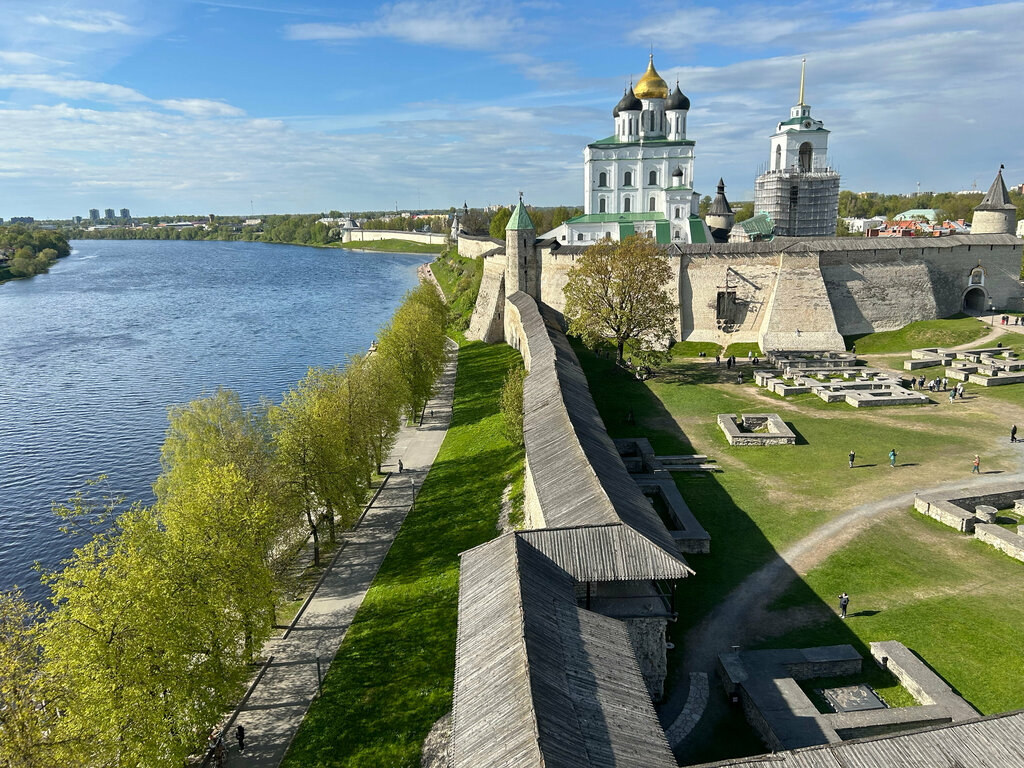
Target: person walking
844,601
892,458
952,396
976,468
240,735
1013,434
852,457
400,466
718,359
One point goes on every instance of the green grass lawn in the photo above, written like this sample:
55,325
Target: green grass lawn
740,348
944,595
393,245
694,348
393,675
460,279
948,332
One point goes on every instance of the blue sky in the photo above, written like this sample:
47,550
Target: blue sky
202,106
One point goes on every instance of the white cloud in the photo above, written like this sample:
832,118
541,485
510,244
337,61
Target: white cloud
89,22
202,107
26,60
461,24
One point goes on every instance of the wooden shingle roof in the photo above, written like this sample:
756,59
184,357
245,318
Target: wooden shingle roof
540,681
988,742
578,474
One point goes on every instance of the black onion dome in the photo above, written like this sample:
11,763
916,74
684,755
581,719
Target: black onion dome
677,100
678,171
629,103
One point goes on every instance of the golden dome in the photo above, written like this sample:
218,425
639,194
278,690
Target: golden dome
651,86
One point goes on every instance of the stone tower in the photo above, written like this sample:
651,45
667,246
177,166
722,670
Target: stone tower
799,190
995,214
521,272
720,217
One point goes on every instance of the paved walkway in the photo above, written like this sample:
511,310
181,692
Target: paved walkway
279,701
739,617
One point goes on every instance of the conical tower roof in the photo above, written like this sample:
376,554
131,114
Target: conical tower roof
720,206
997,198
520,218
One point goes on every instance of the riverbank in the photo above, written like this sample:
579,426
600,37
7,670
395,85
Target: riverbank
391,245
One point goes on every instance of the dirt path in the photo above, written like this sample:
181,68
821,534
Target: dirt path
741,617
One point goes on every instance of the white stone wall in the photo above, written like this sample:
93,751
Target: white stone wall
471,247
701,277
799,314
359,235
486,324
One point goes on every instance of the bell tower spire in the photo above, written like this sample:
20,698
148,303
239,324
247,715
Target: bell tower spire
803,69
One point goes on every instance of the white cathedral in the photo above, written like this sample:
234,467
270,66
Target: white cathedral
640,179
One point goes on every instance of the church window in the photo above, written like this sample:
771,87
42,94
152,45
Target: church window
602,179
806,153
677,211
601,206
650,204
653,178
628,179
579,236
778,157
625,205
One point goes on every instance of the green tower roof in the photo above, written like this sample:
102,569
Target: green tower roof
520,218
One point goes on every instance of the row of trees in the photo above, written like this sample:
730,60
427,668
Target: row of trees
26,252
951,205
159,612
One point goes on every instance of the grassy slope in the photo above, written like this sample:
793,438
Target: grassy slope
393,675
460,279
928,333
391,245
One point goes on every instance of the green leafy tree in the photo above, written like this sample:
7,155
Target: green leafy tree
617,291
499,221
704,205
512,405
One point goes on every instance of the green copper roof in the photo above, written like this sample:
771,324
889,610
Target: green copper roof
605,218
761,224
615,141
520,219
697,230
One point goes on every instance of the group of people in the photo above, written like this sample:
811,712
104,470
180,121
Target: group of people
1005,320
935,385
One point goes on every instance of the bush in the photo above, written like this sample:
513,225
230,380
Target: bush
512,406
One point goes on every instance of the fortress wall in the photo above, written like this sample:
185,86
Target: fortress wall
486,324
357,235
870,297
554,274
472,246
799,313
701,277
884,289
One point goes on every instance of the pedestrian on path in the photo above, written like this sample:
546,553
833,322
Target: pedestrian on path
844,600
852,457
718,359
976,469
892,458
400,466
952,396
220,753
1013,434
240,735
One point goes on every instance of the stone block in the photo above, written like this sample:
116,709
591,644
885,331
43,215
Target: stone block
986,513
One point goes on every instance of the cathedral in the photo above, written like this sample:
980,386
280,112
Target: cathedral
640,179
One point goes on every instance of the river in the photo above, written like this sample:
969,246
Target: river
94,352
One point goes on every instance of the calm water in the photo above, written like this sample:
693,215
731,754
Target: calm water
92,354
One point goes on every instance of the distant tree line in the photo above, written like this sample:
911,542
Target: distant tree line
951,205
160,610
25,252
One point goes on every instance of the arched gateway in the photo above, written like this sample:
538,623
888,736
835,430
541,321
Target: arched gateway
974,300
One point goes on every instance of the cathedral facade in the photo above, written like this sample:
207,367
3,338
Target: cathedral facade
640,178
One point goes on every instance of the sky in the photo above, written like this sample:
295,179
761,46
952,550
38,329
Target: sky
287,106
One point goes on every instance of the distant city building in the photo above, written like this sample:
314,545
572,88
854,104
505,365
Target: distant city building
799,191
22,219
94,214
858,224
125,213
76,219
108,213
252,222
928,214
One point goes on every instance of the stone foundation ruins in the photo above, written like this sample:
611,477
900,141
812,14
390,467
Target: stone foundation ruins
765,683
756,429
990,367
978,514
835,377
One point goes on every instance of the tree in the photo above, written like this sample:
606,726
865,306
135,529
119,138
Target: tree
744,212
617,291
704,205
512,406
380,375
499,221
27,694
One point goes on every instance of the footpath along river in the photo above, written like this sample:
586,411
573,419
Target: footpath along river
93,353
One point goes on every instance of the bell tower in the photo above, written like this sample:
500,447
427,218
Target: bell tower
521,272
